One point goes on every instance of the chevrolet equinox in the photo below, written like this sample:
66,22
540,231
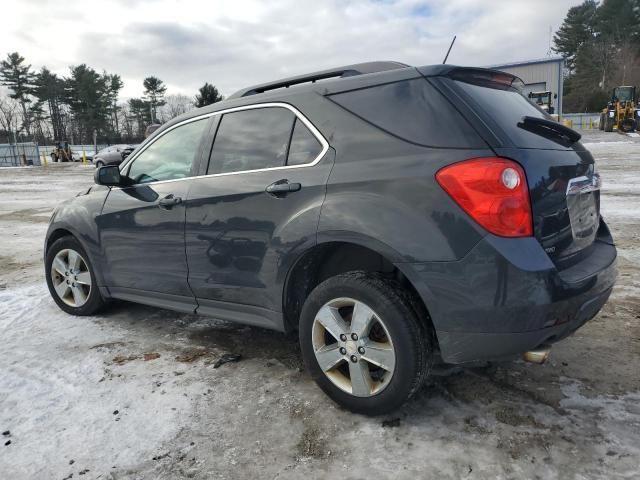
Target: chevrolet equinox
393,216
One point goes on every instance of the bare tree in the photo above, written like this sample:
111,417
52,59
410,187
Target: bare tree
9,117
175,105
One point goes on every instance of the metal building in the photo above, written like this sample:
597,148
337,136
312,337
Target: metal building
545,74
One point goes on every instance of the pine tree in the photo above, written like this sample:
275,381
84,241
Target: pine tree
207,95
576,30
140,114
114,85
601,45
86,93
154,90
49,89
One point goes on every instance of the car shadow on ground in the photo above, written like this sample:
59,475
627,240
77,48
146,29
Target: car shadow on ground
489,382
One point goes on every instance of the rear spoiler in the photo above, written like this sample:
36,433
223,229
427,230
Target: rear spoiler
472,75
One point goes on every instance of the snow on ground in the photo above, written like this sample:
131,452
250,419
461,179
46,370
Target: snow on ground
134,393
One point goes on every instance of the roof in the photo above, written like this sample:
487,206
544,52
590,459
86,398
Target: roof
337,72
335,79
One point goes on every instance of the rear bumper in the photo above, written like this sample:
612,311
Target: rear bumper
506,297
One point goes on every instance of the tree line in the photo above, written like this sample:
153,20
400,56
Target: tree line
600,42
45,107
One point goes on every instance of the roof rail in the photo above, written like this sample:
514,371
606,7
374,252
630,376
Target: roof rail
338,72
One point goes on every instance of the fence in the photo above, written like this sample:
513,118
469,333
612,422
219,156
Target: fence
30,153
76,150
19,154
582,120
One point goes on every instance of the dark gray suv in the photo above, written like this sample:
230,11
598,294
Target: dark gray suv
394,216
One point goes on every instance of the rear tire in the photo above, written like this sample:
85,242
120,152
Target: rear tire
603,118
379,370
628,125
71,278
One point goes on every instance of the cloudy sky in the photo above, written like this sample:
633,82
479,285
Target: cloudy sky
237,43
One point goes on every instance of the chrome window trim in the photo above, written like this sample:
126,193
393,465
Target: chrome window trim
314,131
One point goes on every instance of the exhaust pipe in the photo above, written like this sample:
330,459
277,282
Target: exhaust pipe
539,355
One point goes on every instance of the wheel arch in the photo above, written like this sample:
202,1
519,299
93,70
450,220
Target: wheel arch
327,259
57,234
60,230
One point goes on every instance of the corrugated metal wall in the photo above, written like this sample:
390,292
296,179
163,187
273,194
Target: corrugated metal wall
537,72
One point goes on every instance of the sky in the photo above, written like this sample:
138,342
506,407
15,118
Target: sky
238,43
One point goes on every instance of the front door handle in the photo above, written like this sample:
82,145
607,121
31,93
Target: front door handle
169,201
282,187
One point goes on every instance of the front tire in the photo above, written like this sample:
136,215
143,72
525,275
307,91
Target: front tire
363,343
71,278
608,125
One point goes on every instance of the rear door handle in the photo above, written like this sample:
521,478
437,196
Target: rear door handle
169,201
282,187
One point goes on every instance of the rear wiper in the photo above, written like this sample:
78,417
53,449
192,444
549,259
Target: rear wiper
550,129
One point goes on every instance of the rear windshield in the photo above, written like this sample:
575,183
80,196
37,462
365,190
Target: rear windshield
506,106
412,110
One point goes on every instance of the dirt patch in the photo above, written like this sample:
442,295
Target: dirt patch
521,445
150,356
107,345
122,359
509,416
191,356
312,444
391,423
11,265
473,424
30,215
250,342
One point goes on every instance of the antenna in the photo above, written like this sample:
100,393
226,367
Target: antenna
449,51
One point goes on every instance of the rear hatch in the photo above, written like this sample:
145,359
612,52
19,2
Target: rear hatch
563,181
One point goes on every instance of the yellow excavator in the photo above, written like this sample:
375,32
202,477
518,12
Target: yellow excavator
622,112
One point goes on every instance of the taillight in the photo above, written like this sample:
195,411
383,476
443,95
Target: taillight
493,191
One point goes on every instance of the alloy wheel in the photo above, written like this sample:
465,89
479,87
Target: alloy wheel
71,277
353,347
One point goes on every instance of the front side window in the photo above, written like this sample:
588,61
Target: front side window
251,140
170,157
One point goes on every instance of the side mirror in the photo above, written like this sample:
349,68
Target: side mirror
108,175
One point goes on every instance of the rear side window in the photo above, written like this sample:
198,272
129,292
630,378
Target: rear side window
412,110
506,106
251,139
304,146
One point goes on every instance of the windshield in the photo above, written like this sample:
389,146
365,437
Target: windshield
623,94
506,107
540,98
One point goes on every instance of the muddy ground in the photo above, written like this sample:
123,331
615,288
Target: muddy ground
135,392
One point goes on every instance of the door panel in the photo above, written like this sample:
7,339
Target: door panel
141,226
239,238
143,242
253,213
